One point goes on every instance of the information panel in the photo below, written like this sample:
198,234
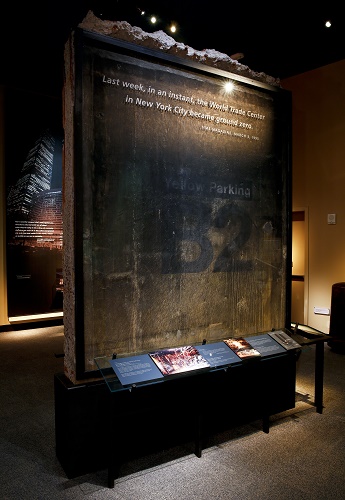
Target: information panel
135,369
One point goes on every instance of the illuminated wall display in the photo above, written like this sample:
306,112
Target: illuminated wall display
182,202
34,229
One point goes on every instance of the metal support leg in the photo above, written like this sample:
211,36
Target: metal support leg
114,449
198,436
319,366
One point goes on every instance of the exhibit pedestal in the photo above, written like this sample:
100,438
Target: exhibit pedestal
98,429
103,424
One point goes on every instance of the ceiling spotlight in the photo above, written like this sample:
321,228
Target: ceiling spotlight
153,19
173,28
328,24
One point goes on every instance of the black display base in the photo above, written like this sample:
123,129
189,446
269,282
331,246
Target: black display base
93,424
80,430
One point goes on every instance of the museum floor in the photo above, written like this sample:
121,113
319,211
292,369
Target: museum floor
302,457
